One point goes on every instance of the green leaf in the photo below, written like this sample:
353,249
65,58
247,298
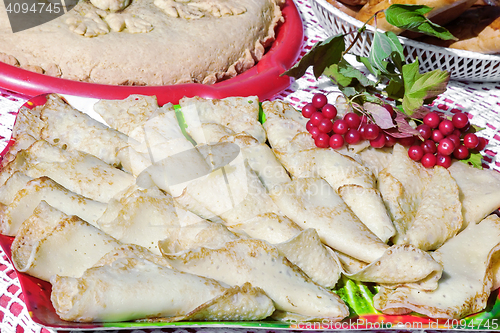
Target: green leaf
475,159
365,61
322,55
397,55
344,73
422,87
395,89
357,295
411,17
382,48
333,73
262,115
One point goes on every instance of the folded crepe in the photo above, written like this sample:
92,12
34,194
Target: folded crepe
295,149
402,185
50,242
261,159
439,214
238,114
270,227
134,288
160,153
479,191
22,141
233,193
77,171
304,249
401,265
259,263
125,115
144,217
375,159
66,127
8,190
312,203
45,189
468,276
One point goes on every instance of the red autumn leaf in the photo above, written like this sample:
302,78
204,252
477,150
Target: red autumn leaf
380,115
404,128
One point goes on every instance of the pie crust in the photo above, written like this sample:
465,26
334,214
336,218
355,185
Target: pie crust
146,42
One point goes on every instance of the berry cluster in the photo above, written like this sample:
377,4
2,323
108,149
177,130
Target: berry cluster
442,138
328,130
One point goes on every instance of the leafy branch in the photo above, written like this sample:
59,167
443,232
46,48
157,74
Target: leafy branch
393,77
388,73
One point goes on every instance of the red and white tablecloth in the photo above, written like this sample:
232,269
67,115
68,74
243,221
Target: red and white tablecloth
480,100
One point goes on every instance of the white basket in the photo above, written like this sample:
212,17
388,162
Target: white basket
462,65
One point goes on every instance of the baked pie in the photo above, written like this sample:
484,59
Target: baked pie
146,42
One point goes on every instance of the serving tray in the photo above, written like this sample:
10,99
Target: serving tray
462,65
263,80
37,297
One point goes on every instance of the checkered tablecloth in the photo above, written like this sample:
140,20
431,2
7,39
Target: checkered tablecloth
480,100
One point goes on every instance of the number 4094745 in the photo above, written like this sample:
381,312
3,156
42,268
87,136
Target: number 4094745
25,8
488,324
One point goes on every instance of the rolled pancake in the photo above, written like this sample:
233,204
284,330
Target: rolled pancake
16,182
205,233
22,141
233,193
144,218
261,159
295,149
305,249
312,203
126,114
28,122
271,227
376,159
479,191
160,153
69,128
439,214
401,264
133,288
259,263
240,114
63,245
79,172
45,189
402,185
467,263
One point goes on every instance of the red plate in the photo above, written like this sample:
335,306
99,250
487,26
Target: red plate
262,80
37,299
